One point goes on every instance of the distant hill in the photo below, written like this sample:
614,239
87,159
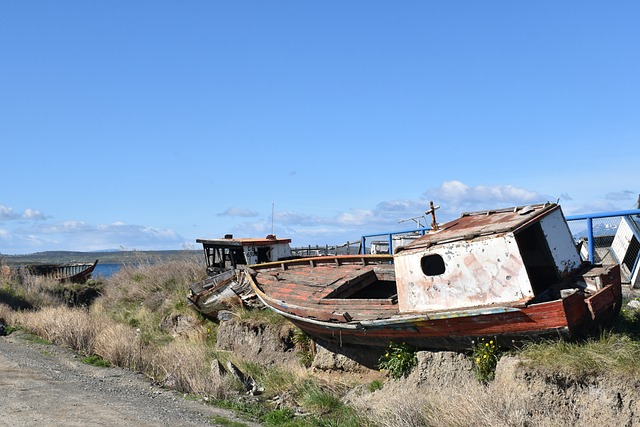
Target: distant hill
107,257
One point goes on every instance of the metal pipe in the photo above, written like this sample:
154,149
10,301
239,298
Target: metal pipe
590,240
603,214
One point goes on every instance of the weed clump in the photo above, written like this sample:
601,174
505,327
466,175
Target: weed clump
485,358
399,360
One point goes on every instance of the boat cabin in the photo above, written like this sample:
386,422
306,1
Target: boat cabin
228,253
485,258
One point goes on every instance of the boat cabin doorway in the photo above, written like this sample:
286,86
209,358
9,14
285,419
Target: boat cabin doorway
537,258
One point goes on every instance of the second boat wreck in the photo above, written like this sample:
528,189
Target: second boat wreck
514,274
224,258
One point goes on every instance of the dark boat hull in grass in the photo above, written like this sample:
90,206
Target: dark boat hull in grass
64,273
514,289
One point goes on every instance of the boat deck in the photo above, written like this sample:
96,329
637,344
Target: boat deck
340,288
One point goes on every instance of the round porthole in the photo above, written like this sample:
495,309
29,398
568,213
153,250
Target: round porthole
432,265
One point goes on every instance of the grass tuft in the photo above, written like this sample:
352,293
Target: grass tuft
612,354
96,361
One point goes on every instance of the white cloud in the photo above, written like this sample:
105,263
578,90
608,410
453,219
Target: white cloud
356,217
621,195
455,197
7,214
32,214
239,212
297,218
82,236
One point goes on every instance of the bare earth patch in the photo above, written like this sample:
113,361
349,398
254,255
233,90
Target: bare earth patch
47,385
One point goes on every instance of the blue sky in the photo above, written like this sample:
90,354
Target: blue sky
148,124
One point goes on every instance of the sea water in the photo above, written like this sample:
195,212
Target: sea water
106,270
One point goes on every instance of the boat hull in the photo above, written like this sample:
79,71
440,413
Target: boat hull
64,273
220,292
575,315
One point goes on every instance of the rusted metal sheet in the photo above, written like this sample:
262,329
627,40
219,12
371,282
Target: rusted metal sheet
245,241
474,225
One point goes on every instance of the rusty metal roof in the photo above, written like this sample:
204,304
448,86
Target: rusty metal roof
483,223
244,241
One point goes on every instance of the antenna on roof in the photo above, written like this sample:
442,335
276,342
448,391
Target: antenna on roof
273,207
415,219
432,211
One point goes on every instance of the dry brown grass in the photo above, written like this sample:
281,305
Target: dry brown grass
394,406
119,344
179,364
31,290
7,314
152,284
472,405
187,367
513,399
70,327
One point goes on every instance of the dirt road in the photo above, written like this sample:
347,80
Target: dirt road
47,385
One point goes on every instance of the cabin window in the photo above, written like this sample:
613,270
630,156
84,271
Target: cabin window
432,265
236,256
264,255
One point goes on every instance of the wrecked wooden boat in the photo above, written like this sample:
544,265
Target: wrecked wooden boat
63,273
512,274
225,258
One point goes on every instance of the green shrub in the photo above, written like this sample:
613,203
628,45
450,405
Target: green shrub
96,361
304,346
279,417
374,385
10,329
399,360
321,401
485,359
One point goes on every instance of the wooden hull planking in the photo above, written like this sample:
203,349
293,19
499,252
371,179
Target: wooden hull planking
375,322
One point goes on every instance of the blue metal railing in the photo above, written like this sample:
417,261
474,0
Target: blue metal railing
389,236
590,217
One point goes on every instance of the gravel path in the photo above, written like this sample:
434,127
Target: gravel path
47,385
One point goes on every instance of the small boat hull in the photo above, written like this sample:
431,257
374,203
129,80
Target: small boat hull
220,292
64,273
